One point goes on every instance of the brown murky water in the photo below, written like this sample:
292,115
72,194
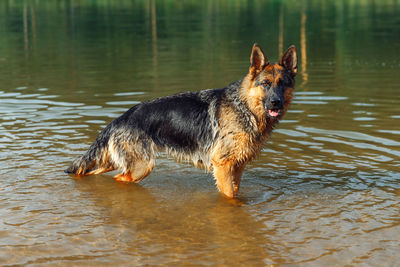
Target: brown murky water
325,190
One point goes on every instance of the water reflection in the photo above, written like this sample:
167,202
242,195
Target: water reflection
195,229
303,48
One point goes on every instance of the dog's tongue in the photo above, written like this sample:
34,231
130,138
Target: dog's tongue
273,113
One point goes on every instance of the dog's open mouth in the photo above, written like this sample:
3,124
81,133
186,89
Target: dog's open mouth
273,112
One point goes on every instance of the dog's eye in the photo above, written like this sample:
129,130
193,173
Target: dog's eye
266,83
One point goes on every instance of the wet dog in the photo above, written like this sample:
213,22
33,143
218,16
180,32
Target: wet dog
220,130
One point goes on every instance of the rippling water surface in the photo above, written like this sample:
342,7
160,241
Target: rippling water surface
325,190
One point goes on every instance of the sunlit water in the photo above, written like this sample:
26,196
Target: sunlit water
325,190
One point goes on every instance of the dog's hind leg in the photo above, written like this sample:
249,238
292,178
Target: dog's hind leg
137,172
133,154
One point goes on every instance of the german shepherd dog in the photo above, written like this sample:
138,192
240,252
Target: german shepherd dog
220,130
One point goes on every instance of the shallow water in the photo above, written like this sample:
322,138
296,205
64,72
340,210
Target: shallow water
325,190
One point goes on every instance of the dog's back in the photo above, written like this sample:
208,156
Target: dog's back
184,125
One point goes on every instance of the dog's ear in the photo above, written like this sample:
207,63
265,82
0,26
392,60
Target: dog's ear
289,60
257,60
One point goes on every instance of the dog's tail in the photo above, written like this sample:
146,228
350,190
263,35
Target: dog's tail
95,160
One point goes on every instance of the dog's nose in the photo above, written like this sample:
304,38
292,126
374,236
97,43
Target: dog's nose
276,102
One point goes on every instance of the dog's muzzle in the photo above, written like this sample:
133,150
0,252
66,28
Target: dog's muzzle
273,107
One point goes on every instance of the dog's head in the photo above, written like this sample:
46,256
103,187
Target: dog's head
270,85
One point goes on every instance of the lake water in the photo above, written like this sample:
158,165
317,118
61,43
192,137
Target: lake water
325,190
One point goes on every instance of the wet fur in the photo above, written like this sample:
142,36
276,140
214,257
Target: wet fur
219,130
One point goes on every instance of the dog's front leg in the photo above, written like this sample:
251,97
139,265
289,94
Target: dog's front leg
224,177
237,175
